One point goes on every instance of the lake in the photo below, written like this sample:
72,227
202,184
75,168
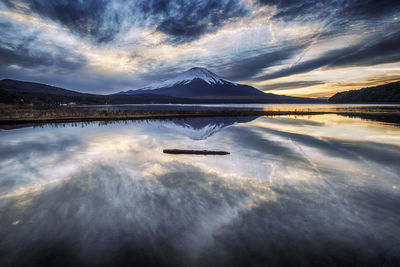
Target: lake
304,191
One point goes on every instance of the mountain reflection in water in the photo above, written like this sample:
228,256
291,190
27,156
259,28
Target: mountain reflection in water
319,190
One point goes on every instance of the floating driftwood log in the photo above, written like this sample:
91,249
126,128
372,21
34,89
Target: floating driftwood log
195,152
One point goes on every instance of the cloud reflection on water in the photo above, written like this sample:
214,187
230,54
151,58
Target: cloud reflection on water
288,194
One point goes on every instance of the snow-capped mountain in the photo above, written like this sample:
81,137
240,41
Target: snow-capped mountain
198,82
188,76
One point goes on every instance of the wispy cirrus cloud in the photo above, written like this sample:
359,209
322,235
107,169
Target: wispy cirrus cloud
365,53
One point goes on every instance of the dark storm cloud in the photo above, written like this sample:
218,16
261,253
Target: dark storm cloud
369,9
369,52
196,18
183,28
23,57
27,52
5,26
86,18
293,9
248,67
102,20
341,9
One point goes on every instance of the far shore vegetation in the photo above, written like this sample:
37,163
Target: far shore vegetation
23,114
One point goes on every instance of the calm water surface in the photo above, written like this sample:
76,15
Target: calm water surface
320,190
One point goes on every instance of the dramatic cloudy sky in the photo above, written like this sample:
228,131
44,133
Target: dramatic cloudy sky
296,47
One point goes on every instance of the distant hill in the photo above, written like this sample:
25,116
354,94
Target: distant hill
14,86
387,93
19,92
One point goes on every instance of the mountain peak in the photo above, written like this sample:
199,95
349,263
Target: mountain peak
188,76
197,72
202,70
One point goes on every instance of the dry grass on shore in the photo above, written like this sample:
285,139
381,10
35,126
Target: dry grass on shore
14,115
17,114
8,112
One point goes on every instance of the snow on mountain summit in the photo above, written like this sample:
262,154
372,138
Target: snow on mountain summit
188,76
198,82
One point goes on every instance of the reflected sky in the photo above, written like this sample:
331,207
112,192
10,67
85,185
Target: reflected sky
294,191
